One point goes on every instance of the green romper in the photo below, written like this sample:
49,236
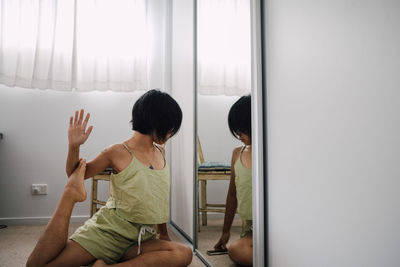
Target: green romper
243,184
139,199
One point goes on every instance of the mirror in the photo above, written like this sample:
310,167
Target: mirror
224,160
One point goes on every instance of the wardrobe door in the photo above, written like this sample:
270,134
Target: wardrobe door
332,71
182,145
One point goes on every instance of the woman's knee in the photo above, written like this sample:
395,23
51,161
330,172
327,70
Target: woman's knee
31,263
234,249
241,254
183,253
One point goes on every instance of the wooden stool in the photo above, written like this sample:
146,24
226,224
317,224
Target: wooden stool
203,175
205,207
103,176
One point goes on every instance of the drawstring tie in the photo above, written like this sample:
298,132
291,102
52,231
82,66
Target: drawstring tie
142,231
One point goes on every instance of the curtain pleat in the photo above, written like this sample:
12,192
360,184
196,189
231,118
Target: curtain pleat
83,45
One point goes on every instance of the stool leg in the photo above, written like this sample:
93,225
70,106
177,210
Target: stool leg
198,220
93,206
204,201
198,209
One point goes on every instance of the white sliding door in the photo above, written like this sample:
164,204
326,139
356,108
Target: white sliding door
182,145
333,108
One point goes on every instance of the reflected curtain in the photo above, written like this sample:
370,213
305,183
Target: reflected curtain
86,45
224,43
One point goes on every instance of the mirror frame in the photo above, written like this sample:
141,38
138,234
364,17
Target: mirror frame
259,134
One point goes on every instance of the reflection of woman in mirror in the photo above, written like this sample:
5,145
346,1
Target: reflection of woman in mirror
240,188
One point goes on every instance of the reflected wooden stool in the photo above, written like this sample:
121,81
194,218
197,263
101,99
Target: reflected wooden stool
206,172
203,177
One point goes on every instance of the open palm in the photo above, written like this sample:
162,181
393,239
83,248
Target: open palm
77,132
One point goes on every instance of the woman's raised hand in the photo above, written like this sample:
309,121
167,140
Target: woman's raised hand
77,132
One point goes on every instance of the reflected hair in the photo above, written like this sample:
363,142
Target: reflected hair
157,113
239,118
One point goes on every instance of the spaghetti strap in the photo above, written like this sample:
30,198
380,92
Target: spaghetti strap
127,148
159,149
243,148
165,161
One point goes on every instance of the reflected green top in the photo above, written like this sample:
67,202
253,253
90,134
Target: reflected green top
243,184
140,194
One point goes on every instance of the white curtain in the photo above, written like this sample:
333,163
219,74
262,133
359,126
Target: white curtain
224,62
86,45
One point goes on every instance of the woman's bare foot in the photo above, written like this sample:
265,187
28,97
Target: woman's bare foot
75,187
99,263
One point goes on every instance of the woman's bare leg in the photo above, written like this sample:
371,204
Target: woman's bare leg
241,251
155,253
54,240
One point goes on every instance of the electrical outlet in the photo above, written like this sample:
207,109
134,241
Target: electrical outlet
39,189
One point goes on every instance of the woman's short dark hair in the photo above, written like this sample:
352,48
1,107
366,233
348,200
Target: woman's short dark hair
239,118
157,113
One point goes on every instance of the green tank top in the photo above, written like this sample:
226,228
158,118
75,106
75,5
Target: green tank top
140,194
243,184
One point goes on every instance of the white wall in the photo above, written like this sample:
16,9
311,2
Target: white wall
34,148
334,126
217,142
35,123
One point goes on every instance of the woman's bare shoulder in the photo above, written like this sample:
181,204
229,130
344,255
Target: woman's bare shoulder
236,153
114,149
237,149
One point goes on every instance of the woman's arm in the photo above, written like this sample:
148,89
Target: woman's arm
162,228
231,205
77,135
100,162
